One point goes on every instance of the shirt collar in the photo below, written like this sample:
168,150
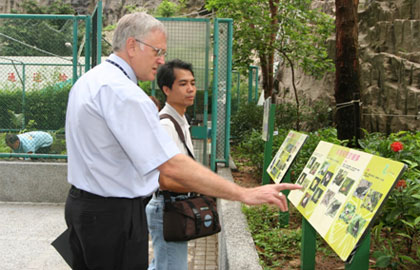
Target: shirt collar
125,66
180,118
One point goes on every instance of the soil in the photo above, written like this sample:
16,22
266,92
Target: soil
323,261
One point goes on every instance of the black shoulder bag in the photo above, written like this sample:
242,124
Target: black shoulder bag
190,218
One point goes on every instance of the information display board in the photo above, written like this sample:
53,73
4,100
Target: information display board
343,190
285,155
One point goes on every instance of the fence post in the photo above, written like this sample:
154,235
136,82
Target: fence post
23,96
268,146
360,260
308,246
250,73
75,60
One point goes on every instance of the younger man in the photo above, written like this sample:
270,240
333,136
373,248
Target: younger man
177,82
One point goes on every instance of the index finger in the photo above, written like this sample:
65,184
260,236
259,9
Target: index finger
288,186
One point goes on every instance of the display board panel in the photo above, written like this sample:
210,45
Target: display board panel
343,190
285,155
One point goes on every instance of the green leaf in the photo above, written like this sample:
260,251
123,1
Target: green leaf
383,261
417,220
417,196
407,223
404,235
407,258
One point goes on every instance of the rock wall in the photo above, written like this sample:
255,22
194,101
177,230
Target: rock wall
389,55
112,9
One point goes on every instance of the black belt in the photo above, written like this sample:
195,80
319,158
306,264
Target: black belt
172,194
87,195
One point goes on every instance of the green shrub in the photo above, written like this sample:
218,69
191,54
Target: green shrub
252,148
46,108
274,243
167,9
396,230
249,117
400,215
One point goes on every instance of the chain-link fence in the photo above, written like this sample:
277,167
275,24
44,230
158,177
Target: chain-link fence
41,57
189,40
222,85
38,66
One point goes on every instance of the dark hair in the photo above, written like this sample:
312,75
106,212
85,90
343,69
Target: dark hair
11,139
166,74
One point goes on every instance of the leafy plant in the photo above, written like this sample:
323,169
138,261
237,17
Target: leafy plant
399,221
245,120
272,241
167,9
288,29
251,149
46,107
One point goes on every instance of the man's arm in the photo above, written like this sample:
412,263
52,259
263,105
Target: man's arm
198,178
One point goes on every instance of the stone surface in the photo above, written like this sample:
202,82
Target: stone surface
27,230
112,9
236,246
29,181
389,56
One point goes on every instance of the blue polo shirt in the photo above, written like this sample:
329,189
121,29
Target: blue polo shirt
32,141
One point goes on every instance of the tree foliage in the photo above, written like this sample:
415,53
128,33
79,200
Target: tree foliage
167,9
45,35
287,28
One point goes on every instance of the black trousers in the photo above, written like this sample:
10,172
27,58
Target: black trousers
107,233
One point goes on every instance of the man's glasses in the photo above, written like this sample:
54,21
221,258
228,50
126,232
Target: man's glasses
159,52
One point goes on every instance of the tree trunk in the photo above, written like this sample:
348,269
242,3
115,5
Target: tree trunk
267,55
347,83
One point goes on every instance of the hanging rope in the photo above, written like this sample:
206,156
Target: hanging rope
347,104
35,48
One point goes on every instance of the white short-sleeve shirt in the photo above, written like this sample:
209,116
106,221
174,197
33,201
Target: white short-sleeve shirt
170,128
114,140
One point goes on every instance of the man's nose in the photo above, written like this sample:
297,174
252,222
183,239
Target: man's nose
191,87
161,59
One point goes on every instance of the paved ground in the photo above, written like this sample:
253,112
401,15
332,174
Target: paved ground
27,229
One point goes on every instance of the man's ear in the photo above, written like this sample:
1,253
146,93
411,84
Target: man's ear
166,90
130,46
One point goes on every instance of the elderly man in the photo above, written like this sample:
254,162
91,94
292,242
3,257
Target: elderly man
116,149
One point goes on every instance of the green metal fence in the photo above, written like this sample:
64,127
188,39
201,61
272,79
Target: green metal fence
35,70
41,57
36,82
189,40
221,95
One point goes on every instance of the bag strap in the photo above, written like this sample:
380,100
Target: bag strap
215,215
178,130
197,216
167,200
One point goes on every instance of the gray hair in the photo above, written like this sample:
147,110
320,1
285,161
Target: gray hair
137,25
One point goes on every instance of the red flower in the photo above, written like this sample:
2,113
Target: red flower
37,77
11,77
401,184
397,146
62,77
